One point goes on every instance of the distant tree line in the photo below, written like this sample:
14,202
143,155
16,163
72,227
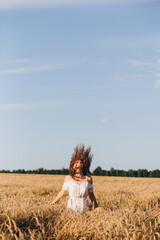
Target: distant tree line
96,172
63,171
130,173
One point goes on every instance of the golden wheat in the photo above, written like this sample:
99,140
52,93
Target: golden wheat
129,208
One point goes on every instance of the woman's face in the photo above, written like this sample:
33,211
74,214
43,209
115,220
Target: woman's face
78,166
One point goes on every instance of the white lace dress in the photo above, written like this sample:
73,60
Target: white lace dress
78,195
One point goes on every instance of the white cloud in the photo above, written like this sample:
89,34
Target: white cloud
29,105
157,75
158,61
122,42
157,64
73,88
157,84
135,63
138,54
14,61
125,77
37,68
15,4
107,120
17,106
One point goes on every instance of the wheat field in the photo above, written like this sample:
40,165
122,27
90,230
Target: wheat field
129,208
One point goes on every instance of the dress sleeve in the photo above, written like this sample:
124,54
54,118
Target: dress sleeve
90,187
65,186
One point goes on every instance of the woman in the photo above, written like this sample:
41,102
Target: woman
79,183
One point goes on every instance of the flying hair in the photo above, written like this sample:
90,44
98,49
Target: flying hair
83,154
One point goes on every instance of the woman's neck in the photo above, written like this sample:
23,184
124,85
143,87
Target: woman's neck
78,176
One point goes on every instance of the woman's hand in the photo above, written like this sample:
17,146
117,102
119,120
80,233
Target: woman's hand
93,199
57,198
91,194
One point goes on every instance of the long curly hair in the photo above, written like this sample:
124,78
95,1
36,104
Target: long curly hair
80,153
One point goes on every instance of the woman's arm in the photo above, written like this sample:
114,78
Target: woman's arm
62,192
91,194
58,197
93,199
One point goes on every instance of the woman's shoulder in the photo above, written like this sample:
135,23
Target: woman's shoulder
67,178
89,179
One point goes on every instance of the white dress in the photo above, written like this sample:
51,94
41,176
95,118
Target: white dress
78,193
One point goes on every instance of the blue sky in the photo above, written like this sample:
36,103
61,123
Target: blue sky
85,72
